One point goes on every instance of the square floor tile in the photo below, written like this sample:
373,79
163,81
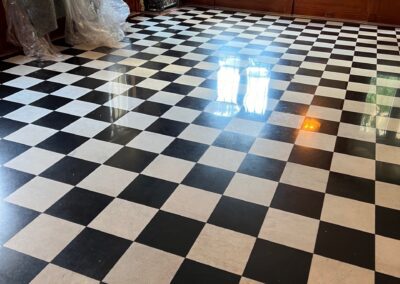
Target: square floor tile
92,253
355,166
298,200
238,215
123,218
222,158
124,102
117,134
316,140
136,120
7,108
262,167
157,267
167,127
78,108
234,141
161,168
148,191
192,203
12,180
345,244
44,237
95,151
251,189
71,92
106,114
70,170
222,248
56,120
86,127
30,135
326,270
38,194
150,141
385,218
187,150
39,160
25,97
387,195
181,114
311,157
349,213
27,114
17,267
290,229
79,206
10,150
171,233
294,174
271,149
51,102
63,276
8,126
271,262
200,134
386,260
244,126
62,142
131,159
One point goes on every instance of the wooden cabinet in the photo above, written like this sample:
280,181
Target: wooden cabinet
276,6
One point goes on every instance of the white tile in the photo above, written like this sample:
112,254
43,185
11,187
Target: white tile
86,127
153,84
28,114
98,64
25,97
388,154
181,114
201,134
324,113
91,55
251,189
78,108
39,194
136,120
166,98
316,140
387,195
189,80
150,141
34,161
44,237
63,276
387,251
124,102
95,151
177,69
161,167
105,75
61,67
123,218
142,72
244,126
286,119
271,149
21,70
144,265
358,132
23,82
30,135
114,88
352,165
108,180
65,78
222,158
71,92
191,202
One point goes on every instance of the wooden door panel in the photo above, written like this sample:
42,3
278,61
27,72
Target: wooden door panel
276,6
342,9
386,11
199,2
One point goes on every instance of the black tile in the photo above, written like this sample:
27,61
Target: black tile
56,120
345,244
152,108
186,150
62,142
238,215
83,71
293,108
6,107
262,167
13,219
178,89
77,60
171,233
117,134
327,126
388,138
327,102
311,157
79,206
302,88
165,76
92,253
387,222
120,68
11,180
70,170
8,126
16,267
234,141
381,278
111,58
51,102
97,97
274,263
212,120
148,191
279,133
359,119
89,83
140,93
386,172
198,273
129,79
154,65
43,74
351,187
355,147
5,77
298,200
167,127
131,159
6,91
208,178
333,83
186,62
193,103
9,150
107,114
47,87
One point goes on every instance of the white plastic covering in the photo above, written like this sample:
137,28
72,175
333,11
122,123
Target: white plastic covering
95,22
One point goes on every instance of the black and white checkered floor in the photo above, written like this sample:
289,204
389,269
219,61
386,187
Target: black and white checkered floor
210,147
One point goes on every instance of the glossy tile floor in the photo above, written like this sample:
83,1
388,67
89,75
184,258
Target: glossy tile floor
211,147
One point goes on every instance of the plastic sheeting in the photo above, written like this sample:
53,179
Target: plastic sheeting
93,22
98,22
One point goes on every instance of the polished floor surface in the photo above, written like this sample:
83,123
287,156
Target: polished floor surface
210,147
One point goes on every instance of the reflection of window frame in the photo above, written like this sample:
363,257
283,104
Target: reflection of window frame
256,99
